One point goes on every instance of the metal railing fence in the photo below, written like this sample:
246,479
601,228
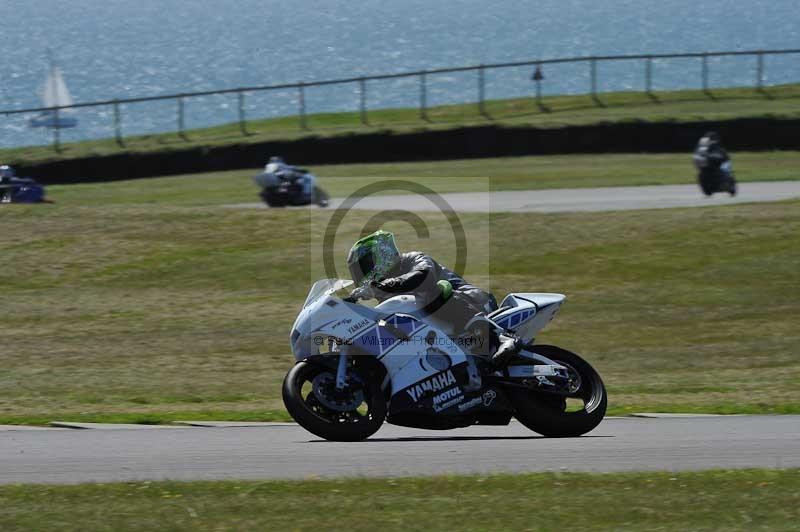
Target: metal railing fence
422,75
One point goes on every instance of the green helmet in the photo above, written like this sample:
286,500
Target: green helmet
373,257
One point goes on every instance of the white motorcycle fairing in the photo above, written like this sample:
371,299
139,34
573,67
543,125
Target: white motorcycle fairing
417,356
427,371
525,314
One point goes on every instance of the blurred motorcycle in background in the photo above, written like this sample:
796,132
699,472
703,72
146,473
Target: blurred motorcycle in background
282,185
714,166
15,189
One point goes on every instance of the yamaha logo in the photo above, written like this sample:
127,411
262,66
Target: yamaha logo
434,384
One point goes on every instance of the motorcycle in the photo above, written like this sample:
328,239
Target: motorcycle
293,188
714,175
358,366
22,190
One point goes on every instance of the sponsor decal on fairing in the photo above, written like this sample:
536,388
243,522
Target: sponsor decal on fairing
485,399
358,326
472,403
488,397
346,321
447,398
434,384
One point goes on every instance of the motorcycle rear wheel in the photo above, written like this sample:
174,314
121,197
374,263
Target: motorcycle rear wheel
732,186
335,425
547,414
321,197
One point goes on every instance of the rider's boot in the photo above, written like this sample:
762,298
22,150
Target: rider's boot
508,348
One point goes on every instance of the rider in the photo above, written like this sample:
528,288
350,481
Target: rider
276,165
710,157
377,266
6,173
297,176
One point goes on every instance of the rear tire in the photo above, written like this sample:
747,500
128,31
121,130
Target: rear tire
325,422
546,414
732,187
320,197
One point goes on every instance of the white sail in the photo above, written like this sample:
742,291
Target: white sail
54,92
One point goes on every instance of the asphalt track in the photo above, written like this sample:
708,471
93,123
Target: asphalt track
289,452
576,199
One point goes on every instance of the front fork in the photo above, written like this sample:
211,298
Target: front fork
341,369
341,372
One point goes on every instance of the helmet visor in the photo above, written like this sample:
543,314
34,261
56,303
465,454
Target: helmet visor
362,268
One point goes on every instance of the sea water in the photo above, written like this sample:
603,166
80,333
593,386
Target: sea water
111,49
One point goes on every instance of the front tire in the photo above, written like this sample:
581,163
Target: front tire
273,198
547,414
705,186
358,423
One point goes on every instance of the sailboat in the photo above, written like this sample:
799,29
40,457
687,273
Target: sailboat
54,93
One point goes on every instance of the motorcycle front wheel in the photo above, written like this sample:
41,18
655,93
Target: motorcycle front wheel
705,185
274,199
552,415
352,414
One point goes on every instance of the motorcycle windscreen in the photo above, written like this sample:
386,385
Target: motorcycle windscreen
325,287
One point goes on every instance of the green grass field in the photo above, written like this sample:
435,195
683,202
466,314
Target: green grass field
678,106
146,301
714,500
517,173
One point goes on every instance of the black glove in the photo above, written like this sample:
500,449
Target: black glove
388,285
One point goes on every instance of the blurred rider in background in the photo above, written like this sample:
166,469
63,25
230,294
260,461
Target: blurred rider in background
381,271
6,173
714,165
277,170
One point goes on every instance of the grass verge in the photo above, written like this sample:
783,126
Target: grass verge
121,306
474,175
680,106
714,500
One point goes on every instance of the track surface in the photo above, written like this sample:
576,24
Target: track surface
619,444
578,199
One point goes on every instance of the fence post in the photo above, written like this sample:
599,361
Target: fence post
593,76
301,94
242,119
481,90
705,73
56,131
648,75
423,96
118,124
760,71
180,118
362,89
537,79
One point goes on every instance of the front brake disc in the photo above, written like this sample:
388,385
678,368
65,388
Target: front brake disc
345,400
